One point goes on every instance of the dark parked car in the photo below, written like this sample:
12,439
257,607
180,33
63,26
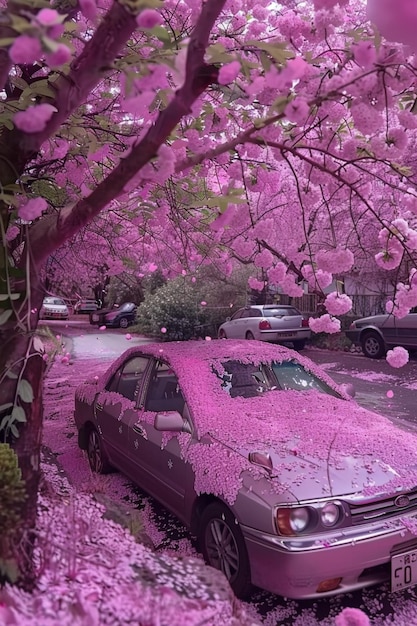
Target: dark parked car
286,482
378,333
268,322
118,317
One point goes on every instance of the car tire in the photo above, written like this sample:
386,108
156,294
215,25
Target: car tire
249,336
124,322
373,345
223,547
299,344
222,334
97,456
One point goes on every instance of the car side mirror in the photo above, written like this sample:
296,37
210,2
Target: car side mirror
171,421
348,389
228,319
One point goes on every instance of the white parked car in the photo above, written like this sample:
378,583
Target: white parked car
53,308
268,322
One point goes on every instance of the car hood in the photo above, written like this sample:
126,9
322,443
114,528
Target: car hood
322,446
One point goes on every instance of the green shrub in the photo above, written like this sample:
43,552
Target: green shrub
174,306
12,490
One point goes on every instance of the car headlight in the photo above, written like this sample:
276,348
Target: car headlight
293,521
315,518
330,514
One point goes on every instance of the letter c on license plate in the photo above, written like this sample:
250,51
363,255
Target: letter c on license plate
404,570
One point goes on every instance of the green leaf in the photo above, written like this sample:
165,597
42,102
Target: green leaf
3,407
161,33
6,296
6,41
11,375
5,316
14,431
18,414
277,51
6,419
25,391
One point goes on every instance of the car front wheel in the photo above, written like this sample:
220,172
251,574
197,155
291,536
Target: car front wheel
373,345
222,334
249,335
97,457
123,323
223,547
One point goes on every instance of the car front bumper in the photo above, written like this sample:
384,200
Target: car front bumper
280,336
294,567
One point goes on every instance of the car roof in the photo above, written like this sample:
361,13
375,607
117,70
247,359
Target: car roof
272,306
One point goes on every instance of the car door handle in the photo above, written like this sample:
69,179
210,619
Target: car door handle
139,430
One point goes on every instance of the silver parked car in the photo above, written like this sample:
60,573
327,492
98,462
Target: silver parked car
53,308
378,333
287,483
268,322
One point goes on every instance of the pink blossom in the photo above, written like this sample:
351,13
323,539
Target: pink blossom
33,208
25,50
35,118
298,110
207,338
58,57
148,18
12,233
338,304
88,9
390,393
102,328
48,17
397,357
364,53
128,336
396,20
228,73
256,284
152,267
335,261
324,324
352,617
163,330
203,303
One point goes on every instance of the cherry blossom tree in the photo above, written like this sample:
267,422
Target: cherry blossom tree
171,135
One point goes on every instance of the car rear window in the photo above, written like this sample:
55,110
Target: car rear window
280,312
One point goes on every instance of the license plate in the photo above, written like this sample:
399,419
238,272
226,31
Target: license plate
286,334
404,570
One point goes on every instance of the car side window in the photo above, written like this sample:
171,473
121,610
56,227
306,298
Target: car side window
164,393
237,315
128,377
255,313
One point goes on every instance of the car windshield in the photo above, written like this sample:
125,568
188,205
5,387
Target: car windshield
127,306
54,301
248,380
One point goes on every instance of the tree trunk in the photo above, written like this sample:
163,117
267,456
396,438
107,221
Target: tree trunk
19,362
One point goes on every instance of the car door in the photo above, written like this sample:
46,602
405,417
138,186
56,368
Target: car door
242,324
115,408
158,455
407,330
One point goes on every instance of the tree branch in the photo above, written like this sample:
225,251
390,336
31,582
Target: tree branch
51,232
